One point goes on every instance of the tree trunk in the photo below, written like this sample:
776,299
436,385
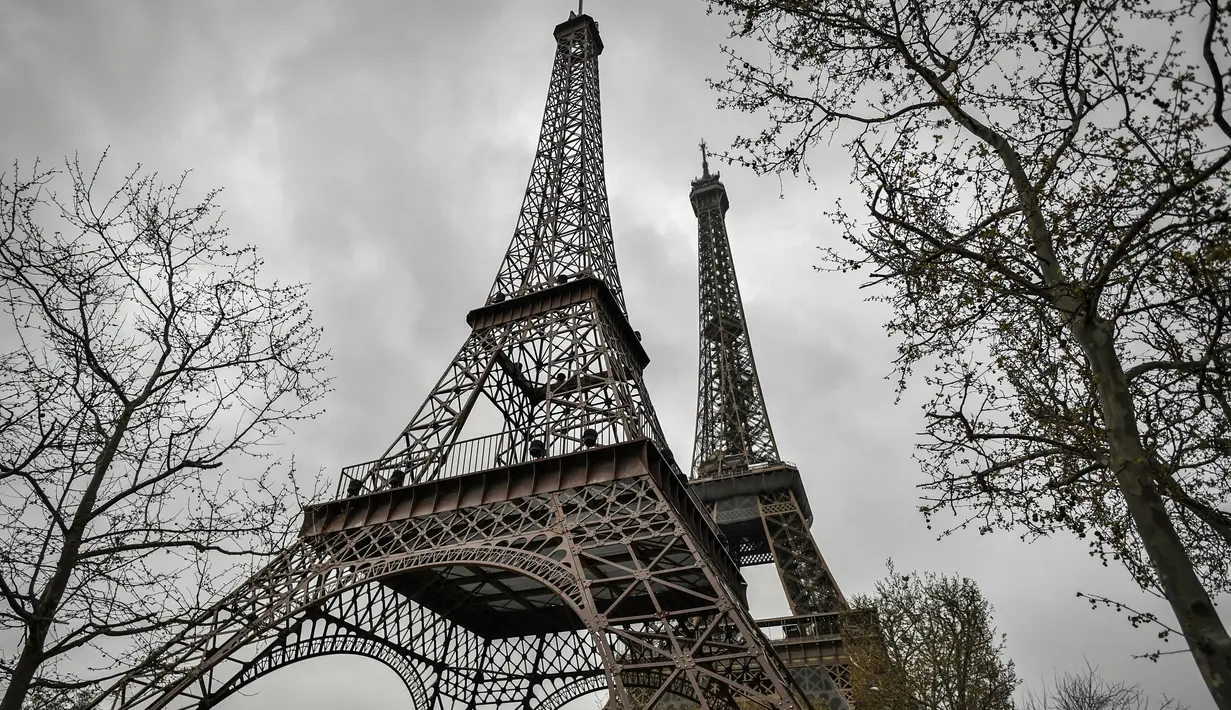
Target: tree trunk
53,594
27,664
1134,470
37,629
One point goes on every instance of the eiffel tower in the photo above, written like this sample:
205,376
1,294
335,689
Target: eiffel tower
757,500
563,554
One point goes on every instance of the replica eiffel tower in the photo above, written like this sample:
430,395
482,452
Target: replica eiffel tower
561,555
757,500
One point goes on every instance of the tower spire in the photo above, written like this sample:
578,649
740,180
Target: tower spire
564,227
733,431
759,498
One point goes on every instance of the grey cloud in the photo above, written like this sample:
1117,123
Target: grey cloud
380,151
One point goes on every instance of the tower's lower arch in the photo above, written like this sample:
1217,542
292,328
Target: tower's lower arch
389,612
317,637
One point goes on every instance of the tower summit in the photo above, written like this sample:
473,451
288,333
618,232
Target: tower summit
560,555
757,499
733,433
564,227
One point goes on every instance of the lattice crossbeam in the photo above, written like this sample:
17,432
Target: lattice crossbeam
564,227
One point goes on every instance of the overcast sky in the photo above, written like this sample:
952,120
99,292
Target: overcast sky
379,150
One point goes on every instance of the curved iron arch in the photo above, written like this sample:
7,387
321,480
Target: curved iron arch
560,581
573,691
280,656
636,679
550,572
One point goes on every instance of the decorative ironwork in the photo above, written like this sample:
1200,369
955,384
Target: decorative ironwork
562,554
561,365
756,498
496,600
564,228
506,448
733,430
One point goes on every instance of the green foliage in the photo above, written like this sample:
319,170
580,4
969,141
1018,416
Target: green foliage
933,646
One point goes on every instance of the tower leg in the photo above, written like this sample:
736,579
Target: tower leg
442,414
368,621
809,585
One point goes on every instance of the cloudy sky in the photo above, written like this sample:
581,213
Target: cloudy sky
379,150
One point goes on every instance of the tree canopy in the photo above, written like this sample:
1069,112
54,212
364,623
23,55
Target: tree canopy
1045,210
932,645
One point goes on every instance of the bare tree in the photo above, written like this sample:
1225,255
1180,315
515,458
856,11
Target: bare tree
928,642
1087,690
1046,185
144,356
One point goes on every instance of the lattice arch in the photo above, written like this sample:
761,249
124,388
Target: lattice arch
365,617
316,638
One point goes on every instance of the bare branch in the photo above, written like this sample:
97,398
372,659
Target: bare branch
149,351
1053,242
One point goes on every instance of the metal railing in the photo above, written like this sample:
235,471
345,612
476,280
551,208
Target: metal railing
510,448
772,464
812,627
458,458
708,470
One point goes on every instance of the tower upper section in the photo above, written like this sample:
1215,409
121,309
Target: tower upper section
733,430
708,190
564,227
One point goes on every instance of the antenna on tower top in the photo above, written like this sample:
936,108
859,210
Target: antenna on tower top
580,3
705,163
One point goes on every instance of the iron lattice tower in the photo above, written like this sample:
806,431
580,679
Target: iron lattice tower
561,555
757,499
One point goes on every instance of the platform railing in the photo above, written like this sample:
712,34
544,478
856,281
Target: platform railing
510,448
507,448
772,464
707,470
813,627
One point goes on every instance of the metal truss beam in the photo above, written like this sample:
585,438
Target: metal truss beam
564,227
733,433
756,498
